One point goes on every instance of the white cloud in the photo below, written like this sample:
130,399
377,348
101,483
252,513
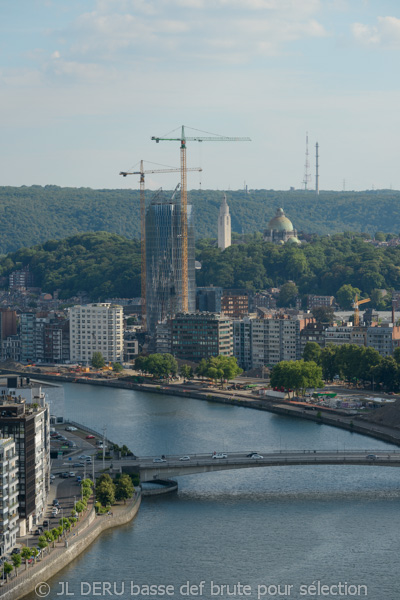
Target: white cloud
385,33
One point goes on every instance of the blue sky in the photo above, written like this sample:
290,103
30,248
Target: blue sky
84,85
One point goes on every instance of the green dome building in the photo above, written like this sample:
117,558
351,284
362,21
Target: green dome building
280,230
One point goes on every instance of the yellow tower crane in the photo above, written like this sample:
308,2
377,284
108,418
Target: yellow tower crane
183,139
142,173
356,304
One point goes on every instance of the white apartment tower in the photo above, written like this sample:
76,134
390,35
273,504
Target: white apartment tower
224,225
96,328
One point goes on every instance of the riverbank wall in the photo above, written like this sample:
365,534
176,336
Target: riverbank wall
320,416
59,558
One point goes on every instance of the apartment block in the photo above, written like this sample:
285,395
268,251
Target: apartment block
384,338
267,341
96,328
201,335
8,495
235,303
346,334
314,301
25,417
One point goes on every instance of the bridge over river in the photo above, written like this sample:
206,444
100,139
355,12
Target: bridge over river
151,467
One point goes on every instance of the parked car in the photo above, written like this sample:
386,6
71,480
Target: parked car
55,502
45,523
16,551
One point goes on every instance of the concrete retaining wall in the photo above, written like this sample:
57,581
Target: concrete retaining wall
166,486
61,557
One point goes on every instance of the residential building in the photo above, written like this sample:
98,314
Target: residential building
224,225
314,301
163,337
131,346
96,328
8,495
22,278
267,341
235,303
201,335
243,342
8,323
25,417
208,299
384,338
164,255
44,337
11,348
346,334
313,332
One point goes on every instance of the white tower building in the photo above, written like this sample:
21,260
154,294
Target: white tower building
224,225
96,328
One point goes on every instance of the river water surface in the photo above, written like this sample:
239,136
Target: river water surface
287,526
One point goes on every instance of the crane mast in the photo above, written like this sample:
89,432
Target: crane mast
142,174
184,234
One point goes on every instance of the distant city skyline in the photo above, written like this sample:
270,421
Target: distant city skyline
84,86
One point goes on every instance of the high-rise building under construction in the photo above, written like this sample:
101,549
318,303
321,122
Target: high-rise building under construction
164,296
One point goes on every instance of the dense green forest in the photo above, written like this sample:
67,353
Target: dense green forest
32,215
105,264
101,264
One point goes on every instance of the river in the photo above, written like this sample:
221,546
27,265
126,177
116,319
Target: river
287,526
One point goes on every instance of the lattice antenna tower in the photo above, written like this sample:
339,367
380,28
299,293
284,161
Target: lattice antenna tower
307,175
317,168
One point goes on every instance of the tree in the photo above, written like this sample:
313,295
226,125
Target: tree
105,490
296,375
186,372
346,296
328,362
396,355
117,367
312,351
97,360
324,314
124,488
287,295
7,569
34,552
17,561
42,542
221,368
26,555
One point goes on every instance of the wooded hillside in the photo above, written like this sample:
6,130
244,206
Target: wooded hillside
33,215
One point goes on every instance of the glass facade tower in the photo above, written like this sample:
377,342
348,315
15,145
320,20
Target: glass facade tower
164,261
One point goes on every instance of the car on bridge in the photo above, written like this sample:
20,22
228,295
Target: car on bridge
220,455
372,457
256,456
185,458
159,460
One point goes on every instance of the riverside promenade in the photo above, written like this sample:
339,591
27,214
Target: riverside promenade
79,538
